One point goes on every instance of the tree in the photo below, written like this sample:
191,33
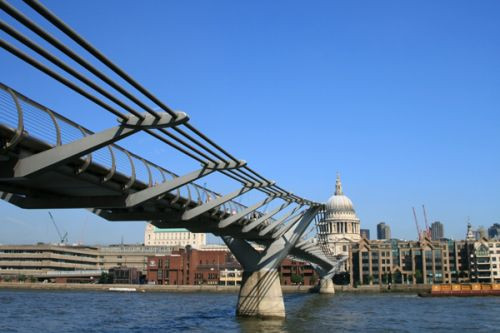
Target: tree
21,278
418,276
313,279
32,279
297,279
105,278
343,278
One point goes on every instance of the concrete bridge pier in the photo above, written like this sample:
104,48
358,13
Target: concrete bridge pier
260,293
326,285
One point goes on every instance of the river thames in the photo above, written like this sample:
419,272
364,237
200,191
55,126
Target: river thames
64,311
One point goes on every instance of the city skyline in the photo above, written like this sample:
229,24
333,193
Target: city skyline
402,101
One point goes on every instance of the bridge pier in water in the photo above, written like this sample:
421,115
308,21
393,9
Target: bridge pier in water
260,292
326,286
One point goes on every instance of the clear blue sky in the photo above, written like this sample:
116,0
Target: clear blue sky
401,97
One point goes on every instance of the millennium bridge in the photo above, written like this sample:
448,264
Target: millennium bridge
50,161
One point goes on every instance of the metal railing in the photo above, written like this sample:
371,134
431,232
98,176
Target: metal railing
184,137
38,122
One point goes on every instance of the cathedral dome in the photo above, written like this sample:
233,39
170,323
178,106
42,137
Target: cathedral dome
339,225
339,203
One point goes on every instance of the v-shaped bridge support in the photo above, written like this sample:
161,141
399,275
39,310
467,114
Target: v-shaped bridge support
260,293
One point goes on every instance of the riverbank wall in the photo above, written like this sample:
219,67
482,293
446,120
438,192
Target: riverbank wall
202,288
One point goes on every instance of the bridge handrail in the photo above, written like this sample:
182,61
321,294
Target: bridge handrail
196,140
60,118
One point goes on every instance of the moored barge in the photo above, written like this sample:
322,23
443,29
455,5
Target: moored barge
463,290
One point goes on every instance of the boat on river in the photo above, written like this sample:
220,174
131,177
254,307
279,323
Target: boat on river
463,290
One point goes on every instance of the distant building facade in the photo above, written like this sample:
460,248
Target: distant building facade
192,266
395,261
480,233
482,260
292,268
425,261
383,231
125,275
437,230
65,263
154,236
129,255
365,233
494,231
475,234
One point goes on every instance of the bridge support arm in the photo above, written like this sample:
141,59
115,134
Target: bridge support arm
260,293
276,223
140,197
197,211
58,155
233,218
262,219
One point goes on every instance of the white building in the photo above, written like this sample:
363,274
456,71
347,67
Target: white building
172,237
494,252
340,226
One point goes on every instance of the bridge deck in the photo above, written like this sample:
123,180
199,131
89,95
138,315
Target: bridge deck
69,185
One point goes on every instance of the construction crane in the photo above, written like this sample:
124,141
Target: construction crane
64,238
427,229
419,233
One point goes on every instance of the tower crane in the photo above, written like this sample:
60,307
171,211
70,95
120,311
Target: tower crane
419,233
64,238
427,229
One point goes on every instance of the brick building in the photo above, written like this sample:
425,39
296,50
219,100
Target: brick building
290,267
190,266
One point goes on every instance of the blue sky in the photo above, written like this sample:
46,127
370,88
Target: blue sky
400,97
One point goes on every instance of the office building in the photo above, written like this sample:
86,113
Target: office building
403,262
154,236
64,263
365,233
437,230
130,255
494,231
383,231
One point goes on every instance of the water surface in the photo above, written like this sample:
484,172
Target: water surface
84,311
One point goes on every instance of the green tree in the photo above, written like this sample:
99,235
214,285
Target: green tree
296,279
418,276
21,278
32,279
105,278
